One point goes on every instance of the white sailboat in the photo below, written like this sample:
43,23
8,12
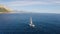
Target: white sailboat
31,23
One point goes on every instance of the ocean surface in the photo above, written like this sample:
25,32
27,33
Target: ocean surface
18,23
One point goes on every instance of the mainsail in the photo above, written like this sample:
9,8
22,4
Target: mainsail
31,20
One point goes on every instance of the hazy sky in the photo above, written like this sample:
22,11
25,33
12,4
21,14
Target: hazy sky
40,6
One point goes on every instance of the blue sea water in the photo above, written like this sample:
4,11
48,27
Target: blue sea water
19,23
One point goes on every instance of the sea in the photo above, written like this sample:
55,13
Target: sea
18,23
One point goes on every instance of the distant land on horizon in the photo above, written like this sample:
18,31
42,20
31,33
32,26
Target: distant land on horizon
4,9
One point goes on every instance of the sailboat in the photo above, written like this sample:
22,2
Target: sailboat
31,23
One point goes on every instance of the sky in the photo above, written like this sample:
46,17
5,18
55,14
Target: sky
38,6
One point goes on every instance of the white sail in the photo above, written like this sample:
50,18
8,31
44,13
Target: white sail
31,20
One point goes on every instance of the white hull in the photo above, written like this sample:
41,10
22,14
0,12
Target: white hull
32,25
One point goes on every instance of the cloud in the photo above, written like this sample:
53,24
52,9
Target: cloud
46,11
23,3
31,2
